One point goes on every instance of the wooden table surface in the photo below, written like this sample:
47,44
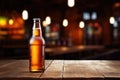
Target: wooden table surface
62,70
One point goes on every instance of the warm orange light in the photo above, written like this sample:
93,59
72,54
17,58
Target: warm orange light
117,4
21,31
16,36
16,28
3,32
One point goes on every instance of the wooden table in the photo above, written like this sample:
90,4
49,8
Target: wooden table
61,70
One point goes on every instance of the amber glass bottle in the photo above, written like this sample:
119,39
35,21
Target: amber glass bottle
37,45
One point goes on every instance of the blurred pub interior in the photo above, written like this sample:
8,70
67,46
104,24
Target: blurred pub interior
88,22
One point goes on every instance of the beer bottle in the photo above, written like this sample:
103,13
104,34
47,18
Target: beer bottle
37,45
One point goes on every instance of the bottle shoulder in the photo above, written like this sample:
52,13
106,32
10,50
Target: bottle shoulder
37,40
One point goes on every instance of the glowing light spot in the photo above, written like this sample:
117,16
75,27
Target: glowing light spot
11,22
112,20
48,20
25,14
44,23
65,22
71,3
81,24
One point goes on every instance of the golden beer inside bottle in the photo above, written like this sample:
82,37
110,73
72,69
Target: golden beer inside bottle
37,57
36,32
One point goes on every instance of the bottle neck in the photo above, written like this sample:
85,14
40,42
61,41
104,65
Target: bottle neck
36,24
37,32
37,28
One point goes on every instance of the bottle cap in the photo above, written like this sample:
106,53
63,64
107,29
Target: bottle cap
36,19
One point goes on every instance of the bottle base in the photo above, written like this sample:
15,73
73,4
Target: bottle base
37,71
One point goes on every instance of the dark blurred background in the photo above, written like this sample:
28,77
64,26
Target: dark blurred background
90,22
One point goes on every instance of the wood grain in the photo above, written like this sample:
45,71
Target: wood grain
61,70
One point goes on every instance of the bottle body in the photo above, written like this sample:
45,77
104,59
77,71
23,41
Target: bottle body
37,45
